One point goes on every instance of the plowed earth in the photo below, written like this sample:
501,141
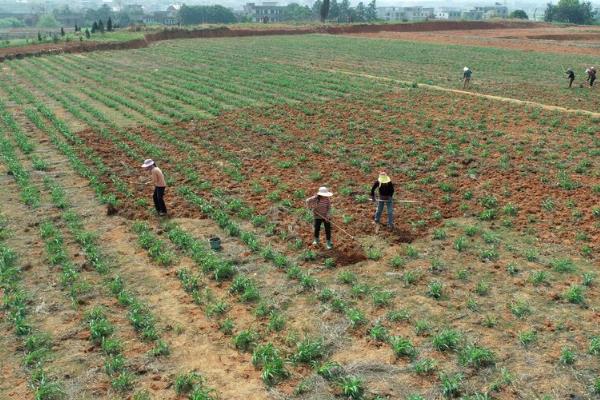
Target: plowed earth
546,39
448,163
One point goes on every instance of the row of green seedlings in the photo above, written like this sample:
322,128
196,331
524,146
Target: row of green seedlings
57,129
102,333
139,314
289,80
37,345
75,107
219,270
155,95
29,193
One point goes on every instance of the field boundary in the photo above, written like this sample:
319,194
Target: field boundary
223,31
465,92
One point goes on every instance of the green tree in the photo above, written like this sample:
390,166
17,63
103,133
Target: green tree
109,25
62,31
11,23
334,10
371,11
518,14
191,15
94,27
101,26
87,33
571,11
324,10
360,13
344,11
296,12
47,21
39,37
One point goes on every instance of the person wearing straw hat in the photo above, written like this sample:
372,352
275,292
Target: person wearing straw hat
385,187
466,77
158,179
320,204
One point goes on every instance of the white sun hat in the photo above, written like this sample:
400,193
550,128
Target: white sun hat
323,191
147,163
384,177
465,69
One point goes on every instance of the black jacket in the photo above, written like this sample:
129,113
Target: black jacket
386,190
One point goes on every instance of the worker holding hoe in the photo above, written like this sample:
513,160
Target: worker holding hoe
570,77
158,179
385,187
591,75
466,77
320,204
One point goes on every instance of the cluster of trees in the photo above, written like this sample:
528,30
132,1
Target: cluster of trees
342,12
98,26
190,15
11,23
571,11
518,14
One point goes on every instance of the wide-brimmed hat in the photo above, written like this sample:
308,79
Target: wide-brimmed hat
323,191
465,69
147,163
384,177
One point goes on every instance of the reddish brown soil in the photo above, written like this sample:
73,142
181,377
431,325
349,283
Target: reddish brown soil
222,138
547,38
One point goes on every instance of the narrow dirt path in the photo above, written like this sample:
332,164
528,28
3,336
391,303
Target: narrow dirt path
463,92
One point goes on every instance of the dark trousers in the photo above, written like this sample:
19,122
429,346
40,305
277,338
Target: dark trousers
592,79
159,202
327,224
571,81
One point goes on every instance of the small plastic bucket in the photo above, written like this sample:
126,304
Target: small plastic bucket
215,243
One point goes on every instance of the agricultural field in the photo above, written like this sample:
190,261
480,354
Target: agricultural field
486,289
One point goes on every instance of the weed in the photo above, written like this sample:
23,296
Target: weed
185,383
425,366
574,294
567,356
476,356
520,308
403,347
422,327
245,340
398,315
309,350
527,337
435,290
451,384
352,387
378,333
331,370
447,339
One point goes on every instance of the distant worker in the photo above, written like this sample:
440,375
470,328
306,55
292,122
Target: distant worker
320,204
570,77
158,179
591,75
385,187
466,77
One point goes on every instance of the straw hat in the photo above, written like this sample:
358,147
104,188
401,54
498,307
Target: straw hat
384,177
323,191
148,163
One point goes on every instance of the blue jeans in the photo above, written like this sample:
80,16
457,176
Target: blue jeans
390,211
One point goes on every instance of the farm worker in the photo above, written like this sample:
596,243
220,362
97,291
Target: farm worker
466,77
158,179
591,75
320,204
385,187
570,76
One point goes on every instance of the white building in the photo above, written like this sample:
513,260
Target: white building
266,12
416,13
448,14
